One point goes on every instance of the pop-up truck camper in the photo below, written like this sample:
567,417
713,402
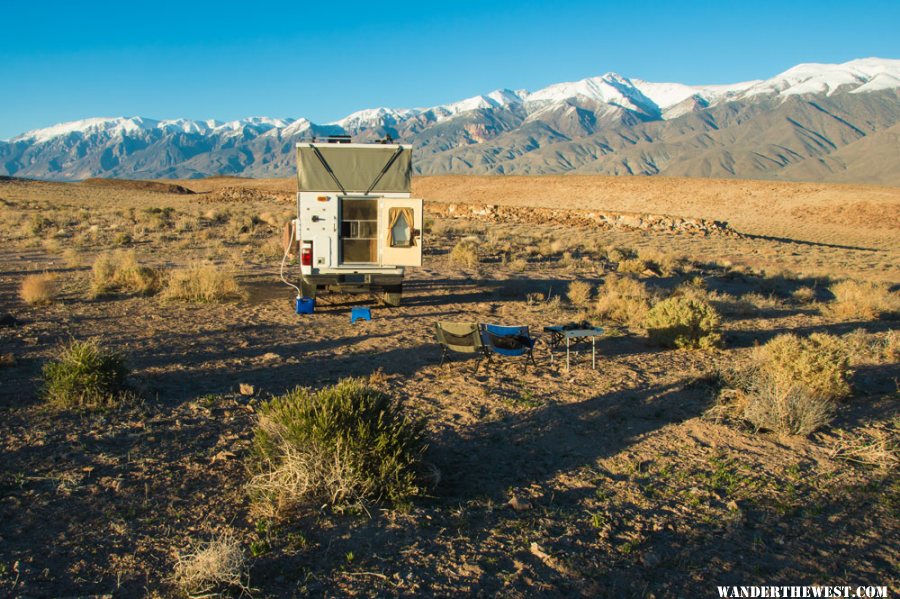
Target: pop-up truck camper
357,226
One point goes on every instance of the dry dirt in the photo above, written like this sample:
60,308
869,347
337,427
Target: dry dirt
611,482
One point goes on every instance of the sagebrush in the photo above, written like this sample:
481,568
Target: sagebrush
684,321
120,271
792,384
202,283
341,446
624,299
38,289
864,300
579,293
465,253
85,376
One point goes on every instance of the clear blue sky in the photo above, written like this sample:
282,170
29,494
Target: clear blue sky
62,61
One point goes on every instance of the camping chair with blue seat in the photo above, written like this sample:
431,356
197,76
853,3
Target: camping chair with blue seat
459,337
508,341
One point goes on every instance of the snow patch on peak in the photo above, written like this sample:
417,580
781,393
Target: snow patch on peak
374,117
109,125
499,98
817,78
611,88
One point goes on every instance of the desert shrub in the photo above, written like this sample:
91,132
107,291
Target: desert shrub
38,289
618,253
342,446
579,293
624,299
123,239
891,351
202,283
272,248
121,272
465,253
876,448
785,410
269,219
85,376
864,300
216,217
683,322
804,295
632,265
518,264
72,257
665,263
242,224
792,384
818,363
39,223
212,568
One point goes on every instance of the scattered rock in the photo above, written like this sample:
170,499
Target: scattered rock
582,218
222,456
7,360
247,390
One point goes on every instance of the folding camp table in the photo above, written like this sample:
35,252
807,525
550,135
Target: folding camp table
558,334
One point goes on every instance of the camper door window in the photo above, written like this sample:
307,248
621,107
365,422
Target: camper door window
400,227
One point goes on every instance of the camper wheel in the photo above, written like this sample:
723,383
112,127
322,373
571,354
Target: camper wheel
392,295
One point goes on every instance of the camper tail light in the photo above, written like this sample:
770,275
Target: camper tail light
306,254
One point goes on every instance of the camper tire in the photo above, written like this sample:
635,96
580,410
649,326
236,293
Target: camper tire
392,296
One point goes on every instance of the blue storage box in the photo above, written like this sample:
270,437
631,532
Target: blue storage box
306,305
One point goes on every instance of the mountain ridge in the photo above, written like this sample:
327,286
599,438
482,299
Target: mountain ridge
605,124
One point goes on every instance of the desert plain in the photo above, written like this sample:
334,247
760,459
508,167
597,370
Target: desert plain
634,479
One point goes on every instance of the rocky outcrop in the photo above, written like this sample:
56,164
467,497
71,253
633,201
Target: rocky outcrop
632,221
247,194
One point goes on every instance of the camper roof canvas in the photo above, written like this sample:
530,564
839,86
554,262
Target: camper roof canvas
355,168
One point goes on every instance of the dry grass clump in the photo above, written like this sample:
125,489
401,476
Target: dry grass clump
85,376
39,289
624,299
579,293
684,321
465,253
635,266
518,264
202,283
792,384
804,295
72,257
665,263
864,300
618,253
120,271
339,446
876,448
272,248
213,568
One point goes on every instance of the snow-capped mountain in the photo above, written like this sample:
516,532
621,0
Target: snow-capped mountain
609,123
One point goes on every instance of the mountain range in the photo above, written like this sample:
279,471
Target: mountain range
821,122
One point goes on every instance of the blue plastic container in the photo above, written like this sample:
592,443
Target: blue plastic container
360,313
306,305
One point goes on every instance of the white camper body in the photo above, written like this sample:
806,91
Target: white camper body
361,228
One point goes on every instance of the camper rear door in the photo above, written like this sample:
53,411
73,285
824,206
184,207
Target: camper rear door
400,223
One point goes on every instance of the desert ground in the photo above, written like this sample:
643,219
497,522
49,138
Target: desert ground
632,480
